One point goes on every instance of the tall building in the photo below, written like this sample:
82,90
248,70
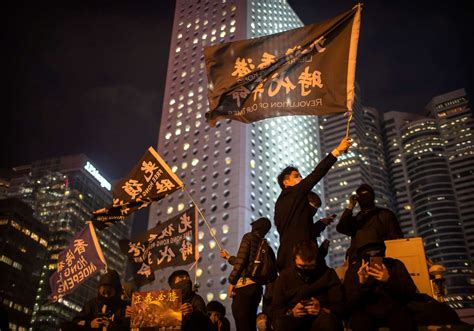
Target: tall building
23,249
435,206
397,169
62,193
231,169
455,121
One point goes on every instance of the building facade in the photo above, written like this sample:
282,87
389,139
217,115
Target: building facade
62,193
23,250
455,121
231,169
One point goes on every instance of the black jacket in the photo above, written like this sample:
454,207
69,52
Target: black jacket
245,256
290,289
198,319
379,223
375,297
294,214
94,308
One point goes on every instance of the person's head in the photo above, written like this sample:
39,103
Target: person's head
109,286
365,196
215,310
180,280
308,264
290,176
262,322
261,226
374,249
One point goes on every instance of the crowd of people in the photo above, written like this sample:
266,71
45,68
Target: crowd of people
375,290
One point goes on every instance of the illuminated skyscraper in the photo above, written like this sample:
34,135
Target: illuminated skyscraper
397,169
231,169
435,207
455,121
62,193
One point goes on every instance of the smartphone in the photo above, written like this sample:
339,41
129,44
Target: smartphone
375,260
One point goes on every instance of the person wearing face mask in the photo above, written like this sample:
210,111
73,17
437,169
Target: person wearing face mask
216,312
193,306
245,292
378,290
107,310
308,295
296,205
380,223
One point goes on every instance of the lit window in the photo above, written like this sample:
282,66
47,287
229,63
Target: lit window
174,169
180,206
225,229
200,247
222,296
178,49
222,34
209,296
212,244
168,136
184,165
169,210
194,162
178,132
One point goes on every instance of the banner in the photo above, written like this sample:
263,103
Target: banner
78,262
169,244
305,71
156,309
150,180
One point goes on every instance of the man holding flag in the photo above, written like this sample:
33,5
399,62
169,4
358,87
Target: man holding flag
293,211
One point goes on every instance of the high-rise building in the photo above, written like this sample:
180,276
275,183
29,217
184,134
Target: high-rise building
62,193
397,169
435,207
231,169
23,249
455,121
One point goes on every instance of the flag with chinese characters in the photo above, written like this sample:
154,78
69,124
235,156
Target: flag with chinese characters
305,71
172,243
77,263
156,309
150,180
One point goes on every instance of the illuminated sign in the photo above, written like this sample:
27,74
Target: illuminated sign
95,173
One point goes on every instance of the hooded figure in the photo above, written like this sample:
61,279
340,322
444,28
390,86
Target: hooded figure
372,221
193,306
246,293
216,311
107,309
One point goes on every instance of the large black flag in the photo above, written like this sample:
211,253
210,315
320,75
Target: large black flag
150,180
305,71
172,243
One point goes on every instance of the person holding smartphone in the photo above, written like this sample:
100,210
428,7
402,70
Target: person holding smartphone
308,295
378,290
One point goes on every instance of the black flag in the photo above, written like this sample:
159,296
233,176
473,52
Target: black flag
172,243
305,71
150,180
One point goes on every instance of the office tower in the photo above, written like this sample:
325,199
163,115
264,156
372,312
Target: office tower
455,121
435,206
23,249
63,192
397,169
231,169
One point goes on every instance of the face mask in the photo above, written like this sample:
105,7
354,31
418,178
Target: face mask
366,200
306,274
186,288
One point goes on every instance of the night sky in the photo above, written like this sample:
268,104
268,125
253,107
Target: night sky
88,76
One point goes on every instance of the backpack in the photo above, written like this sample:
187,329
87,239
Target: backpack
263,269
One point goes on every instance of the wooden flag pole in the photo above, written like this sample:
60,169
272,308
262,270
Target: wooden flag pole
203,217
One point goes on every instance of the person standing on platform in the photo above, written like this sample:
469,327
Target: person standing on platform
295,207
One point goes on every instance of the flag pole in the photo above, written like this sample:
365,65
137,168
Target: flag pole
349,119
203,217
